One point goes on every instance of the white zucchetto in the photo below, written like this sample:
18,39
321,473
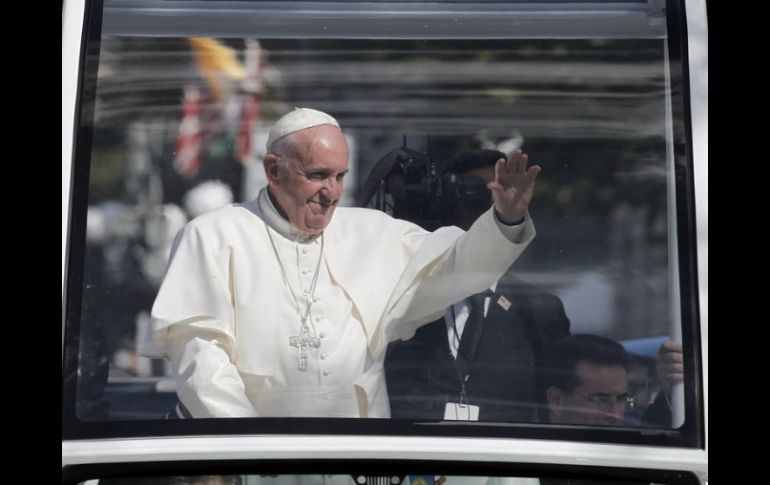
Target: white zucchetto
296,120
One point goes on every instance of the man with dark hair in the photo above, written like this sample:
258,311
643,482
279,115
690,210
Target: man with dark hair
478,361
587,381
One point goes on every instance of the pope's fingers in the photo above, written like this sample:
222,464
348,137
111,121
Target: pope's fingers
522,166
501,167
532,172
517,161
494,186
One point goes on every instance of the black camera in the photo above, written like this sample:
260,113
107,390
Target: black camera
411,185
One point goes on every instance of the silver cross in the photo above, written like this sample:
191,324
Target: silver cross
303,342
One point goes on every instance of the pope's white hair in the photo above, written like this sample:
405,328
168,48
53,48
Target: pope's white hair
284,149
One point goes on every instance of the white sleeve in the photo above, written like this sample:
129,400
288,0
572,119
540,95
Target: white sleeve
477,259
514,233
193,326
208,383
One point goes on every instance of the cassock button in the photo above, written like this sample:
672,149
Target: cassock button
318,319
326,372
322,334
323,356
306,271
305,251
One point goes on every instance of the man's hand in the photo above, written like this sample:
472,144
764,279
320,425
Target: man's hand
513,187
669,364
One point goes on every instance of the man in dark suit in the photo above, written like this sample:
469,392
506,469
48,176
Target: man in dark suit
480,361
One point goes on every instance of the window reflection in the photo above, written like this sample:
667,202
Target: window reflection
179,128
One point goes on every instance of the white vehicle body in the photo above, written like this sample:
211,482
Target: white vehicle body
276,449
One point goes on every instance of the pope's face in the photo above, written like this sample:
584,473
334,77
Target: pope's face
308,186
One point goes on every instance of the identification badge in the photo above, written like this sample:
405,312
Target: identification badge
454,411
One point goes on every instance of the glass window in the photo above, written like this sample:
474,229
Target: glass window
177,104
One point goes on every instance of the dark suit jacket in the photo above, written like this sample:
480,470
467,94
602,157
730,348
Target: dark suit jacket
498,358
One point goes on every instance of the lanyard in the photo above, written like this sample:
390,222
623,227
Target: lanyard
475,323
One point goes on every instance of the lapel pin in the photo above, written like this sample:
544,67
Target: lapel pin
503,302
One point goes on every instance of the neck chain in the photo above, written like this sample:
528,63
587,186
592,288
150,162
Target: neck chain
305,339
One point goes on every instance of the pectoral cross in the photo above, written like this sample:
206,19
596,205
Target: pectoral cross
303,342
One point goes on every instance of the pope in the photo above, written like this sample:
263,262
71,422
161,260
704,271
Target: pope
284,306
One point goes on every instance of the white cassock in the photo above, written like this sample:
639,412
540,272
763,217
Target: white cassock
237,288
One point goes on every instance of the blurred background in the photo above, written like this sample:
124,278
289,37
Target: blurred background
179,127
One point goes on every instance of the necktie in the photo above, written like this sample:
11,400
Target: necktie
477,306
471,334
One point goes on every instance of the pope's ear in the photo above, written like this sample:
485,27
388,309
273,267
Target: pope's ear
271,167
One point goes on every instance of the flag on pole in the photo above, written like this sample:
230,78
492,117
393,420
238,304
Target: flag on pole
251,88
218,65
249,116
187,160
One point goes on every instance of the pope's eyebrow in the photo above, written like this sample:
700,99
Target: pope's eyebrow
323,173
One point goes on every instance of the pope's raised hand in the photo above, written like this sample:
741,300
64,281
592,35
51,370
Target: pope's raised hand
513,186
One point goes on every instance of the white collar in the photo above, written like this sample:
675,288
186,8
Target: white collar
277,222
